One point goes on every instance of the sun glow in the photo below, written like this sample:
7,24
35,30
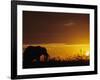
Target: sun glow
66,52
87,53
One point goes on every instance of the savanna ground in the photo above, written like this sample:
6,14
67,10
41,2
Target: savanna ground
62,55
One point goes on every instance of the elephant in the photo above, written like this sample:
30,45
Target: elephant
34,53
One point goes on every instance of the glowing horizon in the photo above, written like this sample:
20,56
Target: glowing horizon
65,52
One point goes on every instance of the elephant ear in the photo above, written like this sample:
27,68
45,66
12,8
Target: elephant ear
28,51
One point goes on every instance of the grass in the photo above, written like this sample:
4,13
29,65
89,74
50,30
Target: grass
77,55
58,63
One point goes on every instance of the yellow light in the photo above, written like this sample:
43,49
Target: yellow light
87,53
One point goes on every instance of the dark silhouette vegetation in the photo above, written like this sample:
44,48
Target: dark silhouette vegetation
32,59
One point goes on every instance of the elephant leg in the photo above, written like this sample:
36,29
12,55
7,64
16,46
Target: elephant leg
38,60
46,57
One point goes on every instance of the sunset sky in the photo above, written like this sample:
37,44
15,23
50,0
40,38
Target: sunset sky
47,27
64,35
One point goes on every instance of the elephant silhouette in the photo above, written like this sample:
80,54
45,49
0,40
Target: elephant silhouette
34,53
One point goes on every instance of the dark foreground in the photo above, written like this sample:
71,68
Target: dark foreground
57,63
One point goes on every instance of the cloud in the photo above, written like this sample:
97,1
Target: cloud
69,24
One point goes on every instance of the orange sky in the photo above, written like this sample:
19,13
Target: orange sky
47,27
57,31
